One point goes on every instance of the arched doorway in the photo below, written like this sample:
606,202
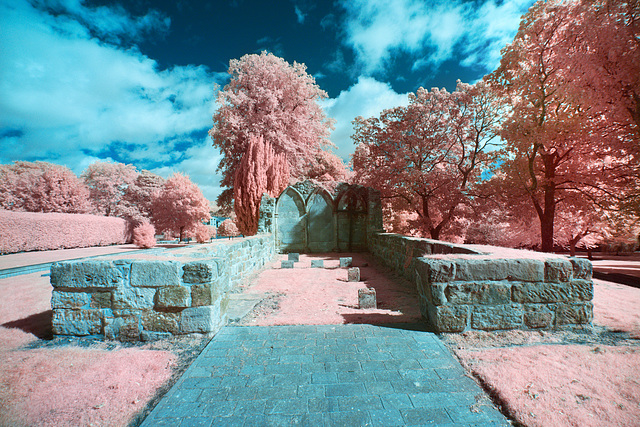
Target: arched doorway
321,222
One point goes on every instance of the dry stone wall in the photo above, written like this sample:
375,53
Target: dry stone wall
466,287
168,293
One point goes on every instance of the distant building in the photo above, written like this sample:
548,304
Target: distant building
215,221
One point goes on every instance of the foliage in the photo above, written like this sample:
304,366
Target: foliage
42,187
260,171
271,98
425,158
180,206
202,233
228,228
562,142
137,201
108,183
144,235
31,231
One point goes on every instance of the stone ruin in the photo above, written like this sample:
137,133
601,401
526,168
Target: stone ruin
183,291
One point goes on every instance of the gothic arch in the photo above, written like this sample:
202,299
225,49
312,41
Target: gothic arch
321,222
291,221
351,221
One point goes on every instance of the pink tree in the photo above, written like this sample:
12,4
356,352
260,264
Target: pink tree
260,171
144,235
137,201
180,206
559,143
42,187
425,157
271,98
228,228
107,184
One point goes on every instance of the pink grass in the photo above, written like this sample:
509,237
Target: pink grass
323,296
617,307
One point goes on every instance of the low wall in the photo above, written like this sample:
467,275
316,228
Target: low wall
464,287
145,297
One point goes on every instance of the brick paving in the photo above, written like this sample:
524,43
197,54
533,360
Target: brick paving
325,375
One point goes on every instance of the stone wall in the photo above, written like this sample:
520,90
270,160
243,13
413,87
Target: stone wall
465,287
168,292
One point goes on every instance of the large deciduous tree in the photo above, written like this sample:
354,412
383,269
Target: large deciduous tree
271,98
561,141
180,206
108,183
42,187
260,171
425,157
137,201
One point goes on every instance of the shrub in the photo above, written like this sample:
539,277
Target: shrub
144,236
202,233
31,231
228,228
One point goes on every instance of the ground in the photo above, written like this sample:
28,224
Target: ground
579,377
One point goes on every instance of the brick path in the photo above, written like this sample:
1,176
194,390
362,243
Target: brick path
342,375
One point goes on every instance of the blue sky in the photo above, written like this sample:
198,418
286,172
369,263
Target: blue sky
133,81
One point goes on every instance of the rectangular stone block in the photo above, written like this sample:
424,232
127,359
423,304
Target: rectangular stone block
367,298
558,270
346,261
295,257
353,274
126,328
286,264
86,275
496,317
201,319
204,294
160,321
70,300
155,274
317,263
582,268
478,293
578,290
101,300
147,336
200,272
76,322
538,316
133,298
436,270
526,270
432,293
173,297
448,318
580,313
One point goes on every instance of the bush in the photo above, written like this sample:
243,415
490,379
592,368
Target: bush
31,231
202,233
144,236
228,228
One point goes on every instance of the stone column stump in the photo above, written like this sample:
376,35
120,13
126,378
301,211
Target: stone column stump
295,257
367,298
353,274
346,261
317,263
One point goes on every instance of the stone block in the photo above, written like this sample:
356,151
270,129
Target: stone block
204,294
478,293
526,270
76,322
495,317
574,313
293,256
126,328
286,264
448,318
70,300
201,319
438,270
86,275
317,263
173,297
133,298
200,272
155,274
582,290
578,290
346,261
582,268
538,316
367,298
156,321
558,270
147,336
353,274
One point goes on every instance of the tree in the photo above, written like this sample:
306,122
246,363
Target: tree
560,142
260,171
425,157
180,206
108,183
271,98
42,187
228,228
137,200
144,235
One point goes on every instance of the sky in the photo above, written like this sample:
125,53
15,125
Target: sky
134,81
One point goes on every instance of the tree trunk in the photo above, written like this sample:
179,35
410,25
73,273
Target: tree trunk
435,233
572,248
549,212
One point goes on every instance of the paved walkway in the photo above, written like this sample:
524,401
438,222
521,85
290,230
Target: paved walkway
327,375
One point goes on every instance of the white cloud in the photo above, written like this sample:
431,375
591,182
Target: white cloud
378,30
367,98
69,97
300,15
